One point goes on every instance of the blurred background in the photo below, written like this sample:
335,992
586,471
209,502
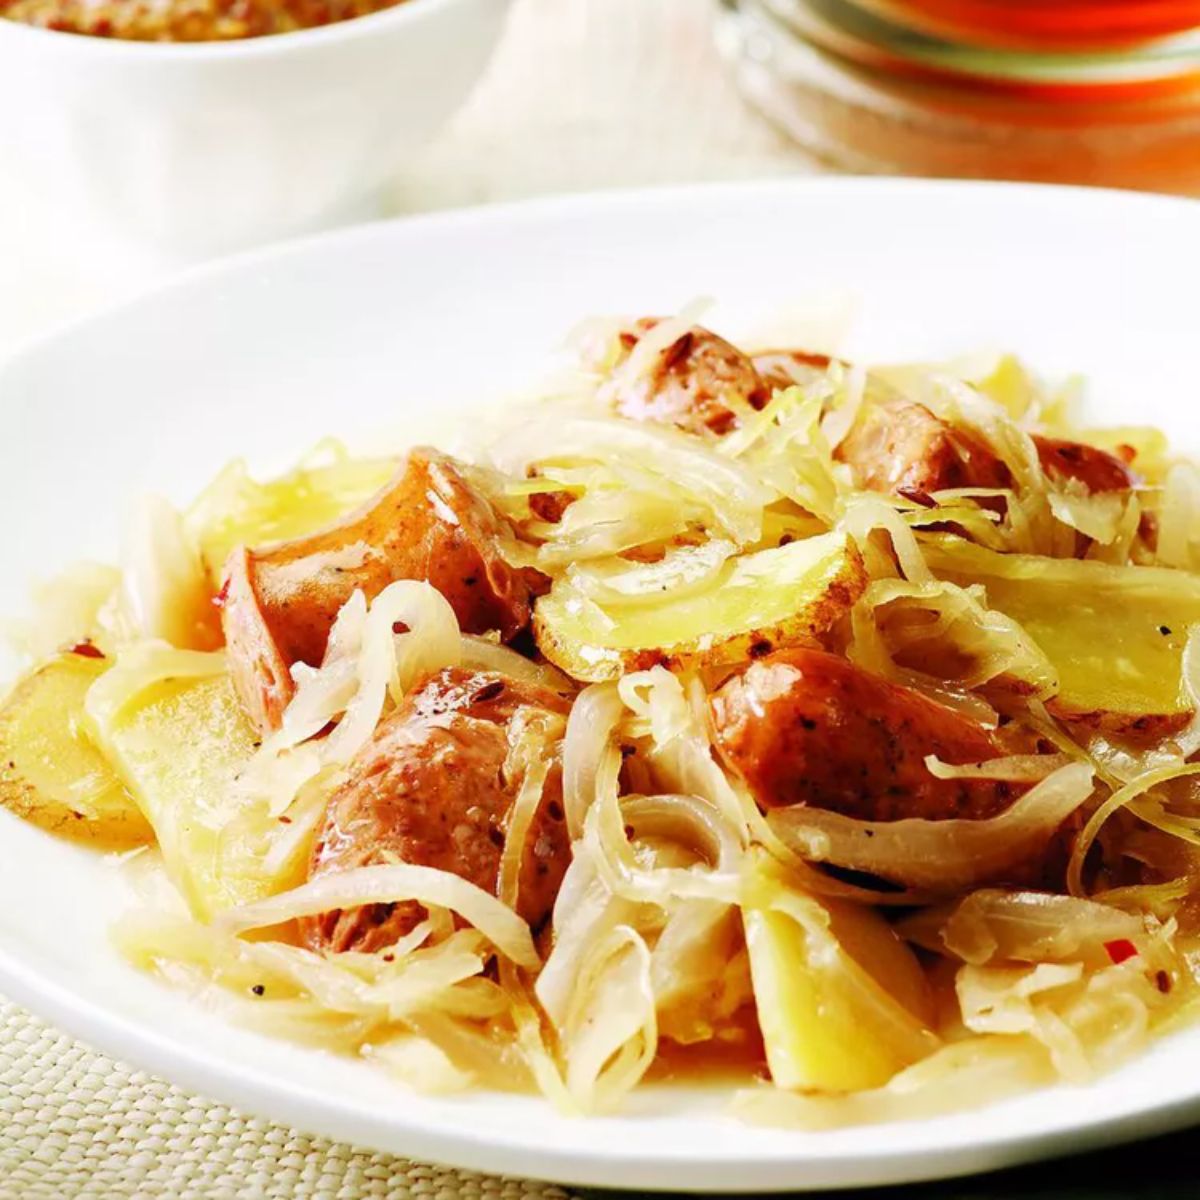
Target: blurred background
578,94
124,160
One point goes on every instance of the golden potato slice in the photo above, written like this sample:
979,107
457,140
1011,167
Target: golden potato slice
50,771
1114,634
842,1002
754,604
179,743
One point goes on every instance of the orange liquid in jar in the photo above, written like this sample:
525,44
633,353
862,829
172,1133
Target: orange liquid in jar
1061,25
1056,91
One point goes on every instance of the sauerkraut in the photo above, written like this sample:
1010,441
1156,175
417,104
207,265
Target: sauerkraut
853,969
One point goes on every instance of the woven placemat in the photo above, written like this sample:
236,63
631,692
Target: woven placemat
75,1125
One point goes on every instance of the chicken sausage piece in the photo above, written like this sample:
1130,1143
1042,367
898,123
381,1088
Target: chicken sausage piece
428,523
806,727
433,787
898,445
1096,469
697,382
692,380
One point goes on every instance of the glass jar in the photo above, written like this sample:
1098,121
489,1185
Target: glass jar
915,103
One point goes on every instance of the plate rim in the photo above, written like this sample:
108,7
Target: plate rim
563,202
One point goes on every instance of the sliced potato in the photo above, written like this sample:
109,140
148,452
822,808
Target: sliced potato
179,743
50,771
237,510
752,605
1115,635
842,1002
869,939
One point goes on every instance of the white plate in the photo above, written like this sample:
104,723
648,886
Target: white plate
387,324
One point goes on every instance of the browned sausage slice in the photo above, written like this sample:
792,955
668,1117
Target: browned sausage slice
428,523
432,788
697,383
806,727
900,446
1096,469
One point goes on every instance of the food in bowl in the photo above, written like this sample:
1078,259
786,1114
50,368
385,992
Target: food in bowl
185,20
202,148
743,713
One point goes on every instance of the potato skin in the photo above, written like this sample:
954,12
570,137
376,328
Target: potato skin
807,727
1139,729
45,757
430,788
280,602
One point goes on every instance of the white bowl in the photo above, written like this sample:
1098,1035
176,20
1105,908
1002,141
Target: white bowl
402,325
209,146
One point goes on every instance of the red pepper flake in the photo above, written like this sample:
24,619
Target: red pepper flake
223,595
1162,981
85,649
1120,950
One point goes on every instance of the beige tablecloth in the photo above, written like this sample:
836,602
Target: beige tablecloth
75,1125
582,94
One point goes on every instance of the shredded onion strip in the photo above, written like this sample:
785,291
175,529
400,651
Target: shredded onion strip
611,1029
939,855
1019,768
1122,798
391,884
591,758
